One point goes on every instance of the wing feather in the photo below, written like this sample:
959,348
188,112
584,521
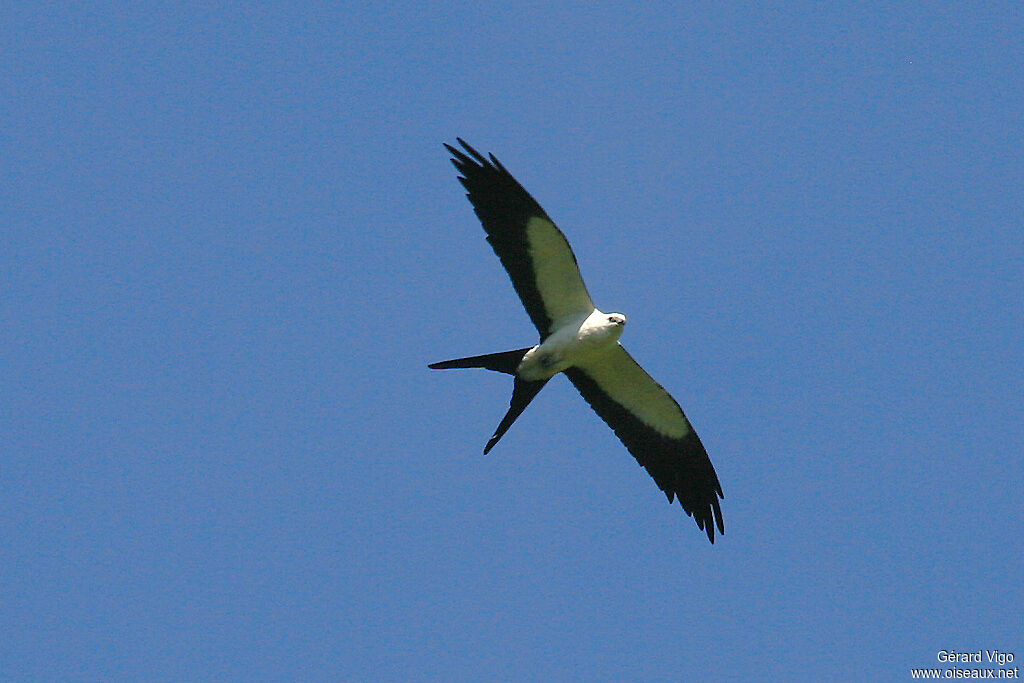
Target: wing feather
532,249
655,430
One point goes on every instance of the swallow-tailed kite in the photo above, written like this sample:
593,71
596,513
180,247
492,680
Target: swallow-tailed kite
581,341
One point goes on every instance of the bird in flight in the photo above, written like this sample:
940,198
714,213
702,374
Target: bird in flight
581,341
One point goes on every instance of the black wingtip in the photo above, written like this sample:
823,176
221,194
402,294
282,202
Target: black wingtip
462,159
708,523
469,148
707,514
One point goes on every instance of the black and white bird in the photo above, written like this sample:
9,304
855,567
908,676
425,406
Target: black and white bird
581,341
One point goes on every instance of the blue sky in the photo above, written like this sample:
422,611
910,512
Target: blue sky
232,242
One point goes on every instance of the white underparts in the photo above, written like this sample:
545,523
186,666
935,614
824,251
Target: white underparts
576,340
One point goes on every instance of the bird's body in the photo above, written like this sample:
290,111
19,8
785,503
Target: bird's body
582,342
576,341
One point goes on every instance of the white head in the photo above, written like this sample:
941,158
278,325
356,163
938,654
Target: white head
613,325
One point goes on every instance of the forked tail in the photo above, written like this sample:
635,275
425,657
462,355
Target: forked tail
523,391
506,361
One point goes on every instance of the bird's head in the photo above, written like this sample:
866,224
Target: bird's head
617,319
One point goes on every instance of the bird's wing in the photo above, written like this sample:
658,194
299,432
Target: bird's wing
654,429
533,250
